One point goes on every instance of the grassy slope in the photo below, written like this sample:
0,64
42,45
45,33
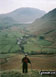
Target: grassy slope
18,74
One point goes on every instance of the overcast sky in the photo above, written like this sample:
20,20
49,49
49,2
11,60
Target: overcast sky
10,5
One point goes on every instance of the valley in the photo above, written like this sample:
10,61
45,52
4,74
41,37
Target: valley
37,39
15,38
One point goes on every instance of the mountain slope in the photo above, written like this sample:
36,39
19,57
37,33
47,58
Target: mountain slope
25,15
45,23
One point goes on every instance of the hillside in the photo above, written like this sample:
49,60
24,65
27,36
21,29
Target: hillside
20,16
45,25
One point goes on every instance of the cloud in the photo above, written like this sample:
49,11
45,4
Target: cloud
10,5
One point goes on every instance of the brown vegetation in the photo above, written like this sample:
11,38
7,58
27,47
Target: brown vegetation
39,62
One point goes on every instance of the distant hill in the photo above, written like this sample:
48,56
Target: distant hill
20,16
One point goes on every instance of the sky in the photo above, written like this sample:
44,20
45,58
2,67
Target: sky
7,6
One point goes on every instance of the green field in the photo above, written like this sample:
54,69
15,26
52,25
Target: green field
8,42
8,39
